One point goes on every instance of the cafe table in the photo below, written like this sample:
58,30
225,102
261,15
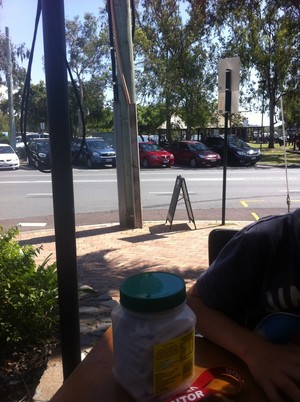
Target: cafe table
93,380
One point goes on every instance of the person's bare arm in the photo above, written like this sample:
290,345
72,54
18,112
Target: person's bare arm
276,368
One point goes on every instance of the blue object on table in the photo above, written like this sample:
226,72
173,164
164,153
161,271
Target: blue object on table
280,328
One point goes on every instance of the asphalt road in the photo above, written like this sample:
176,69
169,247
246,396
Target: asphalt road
250,193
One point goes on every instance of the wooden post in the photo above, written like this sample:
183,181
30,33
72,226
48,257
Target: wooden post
125,119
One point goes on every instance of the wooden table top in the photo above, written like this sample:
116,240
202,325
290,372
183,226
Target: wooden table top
93,379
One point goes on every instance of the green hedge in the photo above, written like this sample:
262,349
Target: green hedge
28,294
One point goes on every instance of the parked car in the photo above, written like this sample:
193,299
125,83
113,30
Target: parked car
29,136
152,155
8,158
239,153
193,153
38,153
94,152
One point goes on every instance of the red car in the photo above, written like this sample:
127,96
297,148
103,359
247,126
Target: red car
194,153
152,155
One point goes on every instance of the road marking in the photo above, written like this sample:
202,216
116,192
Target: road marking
291,191
255,216
29,224
39,195
26,182
160,192
167,192
95,181
245,203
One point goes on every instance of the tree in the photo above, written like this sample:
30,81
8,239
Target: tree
156,46
18,54
4,123
87,49
195,88
96,114
172,61
291,101
149,118
36,110
12,76
197,69
266,37
37,107
236,120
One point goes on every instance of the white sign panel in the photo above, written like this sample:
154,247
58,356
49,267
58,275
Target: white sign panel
232,64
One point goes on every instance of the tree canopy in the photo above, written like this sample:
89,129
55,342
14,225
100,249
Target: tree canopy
172,61
18,54
87,48
266,36
177,47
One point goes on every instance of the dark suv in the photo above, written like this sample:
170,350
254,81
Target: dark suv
239,153
94,152
38,154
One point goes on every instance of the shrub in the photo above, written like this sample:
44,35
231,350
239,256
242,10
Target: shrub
28,294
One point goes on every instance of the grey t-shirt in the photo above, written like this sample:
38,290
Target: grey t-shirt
257,272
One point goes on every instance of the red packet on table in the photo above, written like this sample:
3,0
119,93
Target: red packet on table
201,387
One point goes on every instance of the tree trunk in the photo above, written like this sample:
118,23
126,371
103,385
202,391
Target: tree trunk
80,125
168,121
187,121
188,132
271,111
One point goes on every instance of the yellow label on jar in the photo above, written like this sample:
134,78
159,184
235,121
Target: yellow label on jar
173,362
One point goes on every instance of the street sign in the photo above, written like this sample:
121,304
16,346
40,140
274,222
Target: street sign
229,64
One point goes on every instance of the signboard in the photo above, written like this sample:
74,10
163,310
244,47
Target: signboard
229,64
180,189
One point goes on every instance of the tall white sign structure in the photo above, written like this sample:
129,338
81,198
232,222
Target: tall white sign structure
229,80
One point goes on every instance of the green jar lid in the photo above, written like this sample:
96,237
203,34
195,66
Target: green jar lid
152,292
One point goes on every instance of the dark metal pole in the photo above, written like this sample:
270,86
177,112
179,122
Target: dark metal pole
227,112
62,180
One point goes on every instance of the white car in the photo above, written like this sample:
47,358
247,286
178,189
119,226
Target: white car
8,158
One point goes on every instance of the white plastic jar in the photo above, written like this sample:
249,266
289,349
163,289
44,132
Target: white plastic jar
153,336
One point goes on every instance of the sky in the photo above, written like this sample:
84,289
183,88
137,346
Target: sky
19,17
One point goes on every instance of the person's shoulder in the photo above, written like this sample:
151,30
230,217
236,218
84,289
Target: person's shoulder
273,226
266,222
265,234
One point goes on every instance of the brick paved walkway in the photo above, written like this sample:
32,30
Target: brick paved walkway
106,254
